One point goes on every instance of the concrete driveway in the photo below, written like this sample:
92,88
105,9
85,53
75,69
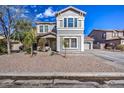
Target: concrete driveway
114,58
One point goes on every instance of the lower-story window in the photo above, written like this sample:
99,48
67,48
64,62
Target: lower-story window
70,43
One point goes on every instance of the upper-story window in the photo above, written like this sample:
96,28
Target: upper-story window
65,22
75,22
70,22
41,28
103,35
114,34
46,28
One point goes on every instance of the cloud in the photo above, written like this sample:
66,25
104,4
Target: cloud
40,15
26,11
49,12
23,16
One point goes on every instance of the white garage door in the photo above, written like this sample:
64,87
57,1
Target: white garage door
87,45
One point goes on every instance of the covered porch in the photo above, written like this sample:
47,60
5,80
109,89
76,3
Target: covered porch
48,41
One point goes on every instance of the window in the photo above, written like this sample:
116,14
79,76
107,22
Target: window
61,23
80,23
41,28
75,22
114,34
103,36
70,43
46,28
67,42
73,42
65,22
70,22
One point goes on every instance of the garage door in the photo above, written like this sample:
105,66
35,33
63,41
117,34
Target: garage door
87,45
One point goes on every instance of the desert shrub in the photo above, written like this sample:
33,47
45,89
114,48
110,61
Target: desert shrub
120,47
27,50
3,46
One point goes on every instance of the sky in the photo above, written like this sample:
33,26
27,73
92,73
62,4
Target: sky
97,17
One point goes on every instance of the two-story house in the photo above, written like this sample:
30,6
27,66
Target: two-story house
107,37
69,28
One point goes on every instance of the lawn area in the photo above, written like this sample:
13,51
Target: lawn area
20,62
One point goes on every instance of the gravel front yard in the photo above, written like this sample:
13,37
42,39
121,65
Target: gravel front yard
19,62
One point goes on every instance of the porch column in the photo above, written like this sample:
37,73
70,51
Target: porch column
91,45
82,42
58,43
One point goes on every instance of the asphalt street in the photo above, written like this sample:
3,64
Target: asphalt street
116,57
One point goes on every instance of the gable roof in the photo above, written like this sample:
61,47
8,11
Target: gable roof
71,8
104,30
87,38
47,34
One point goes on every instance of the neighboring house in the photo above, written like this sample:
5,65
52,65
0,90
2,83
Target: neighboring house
69,28
88,43
107,37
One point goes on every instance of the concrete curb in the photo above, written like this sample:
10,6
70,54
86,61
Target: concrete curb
78,74
62,75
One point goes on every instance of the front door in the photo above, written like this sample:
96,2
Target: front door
54,45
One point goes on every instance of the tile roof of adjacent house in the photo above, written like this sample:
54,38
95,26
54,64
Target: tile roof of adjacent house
69,8
87,38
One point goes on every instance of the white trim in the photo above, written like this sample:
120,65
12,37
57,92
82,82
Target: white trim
82,43
58,43
70,42
72,8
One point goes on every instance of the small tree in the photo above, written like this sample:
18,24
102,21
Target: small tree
29,39
65,45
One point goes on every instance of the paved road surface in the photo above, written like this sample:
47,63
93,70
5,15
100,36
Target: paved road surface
115,58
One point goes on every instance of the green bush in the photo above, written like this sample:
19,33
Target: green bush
120,47
3,46
28,50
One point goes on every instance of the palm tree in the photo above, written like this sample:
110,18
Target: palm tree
29,39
